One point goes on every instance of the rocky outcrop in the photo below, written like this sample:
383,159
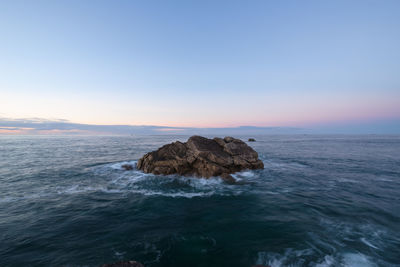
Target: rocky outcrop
127,167
203,157
252,140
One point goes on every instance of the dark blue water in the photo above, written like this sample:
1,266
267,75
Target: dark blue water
320,201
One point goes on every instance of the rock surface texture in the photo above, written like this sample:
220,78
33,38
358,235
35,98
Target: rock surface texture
203,157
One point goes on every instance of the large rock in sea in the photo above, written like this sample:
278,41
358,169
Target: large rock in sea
202,157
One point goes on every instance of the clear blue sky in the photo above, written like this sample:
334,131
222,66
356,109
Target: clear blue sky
200,63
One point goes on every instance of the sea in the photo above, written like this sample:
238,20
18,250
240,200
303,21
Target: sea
322,200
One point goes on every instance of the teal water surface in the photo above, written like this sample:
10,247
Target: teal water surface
320,201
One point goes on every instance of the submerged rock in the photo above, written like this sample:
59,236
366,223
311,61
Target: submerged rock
228,178
203,157
123,264
252,140
127,167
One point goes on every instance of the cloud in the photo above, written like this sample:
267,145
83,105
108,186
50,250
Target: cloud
171,129
38,126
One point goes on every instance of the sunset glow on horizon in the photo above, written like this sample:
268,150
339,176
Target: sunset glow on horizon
204,64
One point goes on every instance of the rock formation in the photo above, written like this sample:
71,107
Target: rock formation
252,140
203,157
127,167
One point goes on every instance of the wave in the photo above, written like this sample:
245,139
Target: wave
279,165
136,181
175,185
331,247
297,258
118,165
368,233
365,241
77,190
357,259
111,178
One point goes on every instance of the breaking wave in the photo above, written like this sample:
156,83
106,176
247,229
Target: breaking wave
136,181
113,179
298,258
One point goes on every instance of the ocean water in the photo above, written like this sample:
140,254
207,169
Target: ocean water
320,201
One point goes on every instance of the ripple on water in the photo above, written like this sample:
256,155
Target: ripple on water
136,181
306,257
116,180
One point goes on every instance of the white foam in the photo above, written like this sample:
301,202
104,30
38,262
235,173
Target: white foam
299,258
271,259
135,175
119,255
279,165
77,189
196,181
357,260
128,178
112,178
174,194
327,262
246,174
384,179
118,165
271,192
122,187
289,258
371,235
365,241
346,180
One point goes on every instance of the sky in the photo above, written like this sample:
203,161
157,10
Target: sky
211,64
